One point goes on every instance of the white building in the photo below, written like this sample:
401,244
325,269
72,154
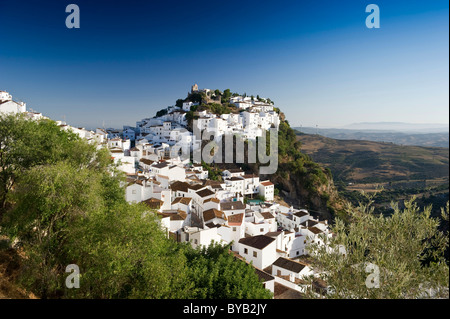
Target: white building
234,172
291,270
8,106
260,250
235,185
129,134
187,105
234,231
199,236
232,207
267,189
260,223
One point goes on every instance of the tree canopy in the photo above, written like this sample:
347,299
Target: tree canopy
379,257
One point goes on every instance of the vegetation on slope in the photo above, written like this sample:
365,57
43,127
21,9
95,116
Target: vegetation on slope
303,181
378,257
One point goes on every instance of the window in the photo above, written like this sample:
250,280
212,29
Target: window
234,228
255,254
261,230
245,251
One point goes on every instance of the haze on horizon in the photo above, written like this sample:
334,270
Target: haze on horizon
317,61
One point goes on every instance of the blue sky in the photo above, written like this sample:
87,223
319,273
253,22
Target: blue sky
315,59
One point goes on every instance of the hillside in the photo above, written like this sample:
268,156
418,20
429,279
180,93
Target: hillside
399,171
301,180
356,161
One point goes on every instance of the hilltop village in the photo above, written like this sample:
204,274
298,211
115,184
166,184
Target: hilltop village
239,209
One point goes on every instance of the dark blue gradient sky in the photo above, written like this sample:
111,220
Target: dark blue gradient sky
315,59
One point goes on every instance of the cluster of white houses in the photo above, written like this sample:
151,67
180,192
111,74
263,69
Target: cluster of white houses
170,128
198,210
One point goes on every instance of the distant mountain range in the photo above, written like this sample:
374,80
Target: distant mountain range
431,135
400,127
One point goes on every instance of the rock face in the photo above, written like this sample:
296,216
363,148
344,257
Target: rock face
322,201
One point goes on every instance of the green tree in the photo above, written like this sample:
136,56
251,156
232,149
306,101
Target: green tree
226,96
179,103
48,199
125,254
400,256
161,113
25,143
217,274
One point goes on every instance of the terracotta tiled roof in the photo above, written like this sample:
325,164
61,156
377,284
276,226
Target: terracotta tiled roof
267,215
288,264
314,230
213,213
205,192
179,186
161,165
235,220
258,242
267,183
182,200
196,187
263,276
215,200
301,214
153,203
232,205
146,161
273,234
